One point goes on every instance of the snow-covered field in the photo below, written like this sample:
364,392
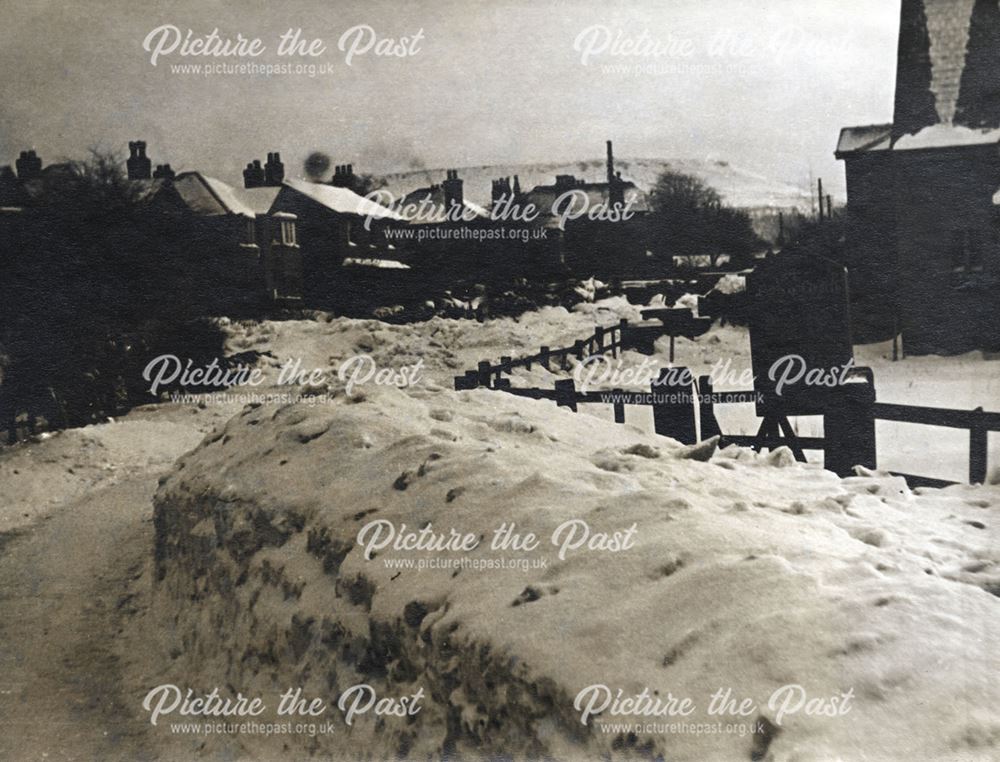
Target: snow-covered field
730,571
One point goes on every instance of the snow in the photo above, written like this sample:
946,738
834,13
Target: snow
229,197
71,464
747,572
688,302
730,284
450,347
342,200
947,135
381,264
739,186
207,195
875,137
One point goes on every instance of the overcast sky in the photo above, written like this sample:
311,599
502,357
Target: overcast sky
764,84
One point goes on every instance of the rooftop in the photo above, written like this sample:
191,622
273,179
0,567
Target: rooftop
872,137
342,200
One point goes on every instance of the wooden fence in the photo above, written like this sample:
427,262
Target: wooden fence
849,437
601,342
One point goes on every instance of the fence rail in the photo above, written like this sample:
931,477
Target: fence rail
978,422
602,341
676,418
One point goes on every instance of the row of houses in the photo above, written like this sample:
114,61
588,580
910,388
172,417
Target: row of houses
292,240
274,239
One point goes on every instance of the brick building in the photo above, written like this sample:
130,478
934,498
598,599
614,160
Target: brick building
923,221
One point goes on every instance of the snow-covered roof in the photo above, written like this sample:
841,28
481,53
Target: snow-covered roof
258,199
380,264
228,196
858,140
434,210
872,137
342,200
947,136
208,196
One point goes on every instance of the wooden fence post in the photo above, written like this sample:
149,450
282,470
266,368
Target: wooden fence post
599,339
506,365
484,373
566,393
620,346
469,381
706,409
977,450
849,430
619,406
673,405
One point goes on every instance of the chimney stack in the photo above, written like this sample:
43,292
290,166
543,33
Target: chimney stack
274,170
565,182
138,164
253,175
501,189
163,172
616,188
611,165
343,176
29,166
454,195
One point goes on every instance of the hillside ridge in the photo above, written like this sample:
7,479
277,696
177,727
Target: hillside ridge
739,187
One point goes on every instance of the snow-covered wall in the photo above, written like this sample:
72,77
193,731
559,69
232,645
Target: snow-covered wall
744,572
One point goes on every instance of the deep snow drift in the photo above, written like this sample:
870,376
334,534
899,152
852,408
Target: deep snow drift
745,572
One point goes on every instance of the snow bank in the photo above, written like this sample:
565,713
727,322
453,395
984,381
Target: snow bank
730,284
746,572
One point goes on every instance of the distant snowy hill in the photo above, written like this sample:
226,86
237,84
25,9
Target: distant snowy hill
738,187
